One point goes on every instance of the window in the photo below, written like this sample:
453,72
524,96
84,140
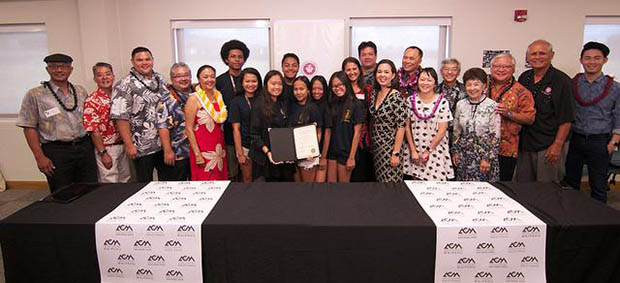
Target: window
605,30
22,49
199,42
393,35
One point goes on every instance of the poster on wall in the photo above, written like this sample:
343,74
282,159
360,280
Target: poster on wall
320,45
488,55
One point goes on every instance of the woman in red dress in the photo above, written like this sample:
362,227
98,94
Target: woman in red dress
205,114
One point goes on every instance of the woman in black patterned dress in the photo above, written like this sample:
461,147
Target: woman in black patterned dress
388,114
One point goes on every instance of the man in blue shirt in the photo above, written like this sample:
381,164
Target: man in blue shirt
596,131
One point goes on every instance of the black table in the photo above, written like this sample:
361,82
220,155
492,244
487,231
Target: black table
278,232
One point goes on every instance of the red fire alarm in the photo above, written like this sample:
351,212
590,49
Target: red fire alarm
520,16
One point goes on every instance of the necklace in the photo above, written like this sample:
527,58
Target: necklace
506,89
410,83
178,95
47,84
432,114
144,84
580,99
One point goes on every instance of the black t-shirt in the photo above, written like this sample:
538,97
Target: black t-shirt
287,94
553,101
325,113
259,125
302,115
225,86
239,112
343,128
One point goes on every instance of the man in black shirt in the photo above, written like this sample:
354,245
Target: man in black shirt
290,68
234,53
541,146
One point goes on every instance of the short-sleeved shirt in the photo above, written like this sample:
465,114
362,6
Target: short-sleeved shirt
97,117
343,128
302,115
229,89
259,125
553,100
519,100
604,116
453,94
171,116
133,101
239,112
325,113
41,110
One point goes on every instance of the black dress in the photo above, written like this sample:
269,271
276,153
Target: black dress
259,124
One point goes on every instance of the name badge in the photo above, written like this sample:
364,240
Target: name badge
51,112
360,96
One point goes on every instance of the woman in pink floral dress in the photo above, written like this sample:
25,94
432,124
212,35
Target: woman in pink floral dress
205,114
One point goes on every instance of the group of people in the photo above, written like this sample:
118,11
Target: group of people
374,122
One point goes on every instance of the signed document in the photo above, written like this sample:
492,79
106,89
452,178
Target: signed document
306,141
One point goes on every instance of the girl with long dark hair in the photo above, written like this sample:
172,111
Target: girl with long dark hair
305,112
320,91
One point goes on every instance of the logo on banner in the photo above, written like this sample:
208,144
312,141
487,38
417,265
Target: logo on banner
515,212
515,276
189,188
485,212
176,218
124,230
457,188
144,273
452,194
498,262
138,211
173,245
115,272
111,245
152,198
142,245
467,233
164,188
516,247
166,212
436,206
205,199
187,205
529,261
427,194
161,204
448,220
147,193
531,232
199,193
134,204
196,211
466,262
453,248
186,231
187,261
443,200
485,248
117,218
451,276
483,277
480,220
156,260
498,198
175,275
466,206
512,220
470,200
173,193
479,193
483,188
495,205
147,218
126,259
309,68
499,232
455,212
432,188
179,199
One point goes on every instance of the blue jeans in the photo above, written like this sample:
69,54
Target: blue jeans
592,151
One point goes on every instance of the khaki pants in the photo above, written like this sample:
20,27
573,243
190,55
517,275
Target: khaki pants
120,172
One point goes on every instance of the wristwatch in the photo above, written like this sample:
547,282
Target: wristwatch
101,153
509,114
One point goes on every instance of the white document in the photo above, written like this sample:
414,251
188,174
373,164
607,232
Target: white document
155,235
306,142
482,234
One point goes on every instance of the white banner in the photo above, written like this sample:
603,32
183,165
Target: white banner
483,236
319,44
155,235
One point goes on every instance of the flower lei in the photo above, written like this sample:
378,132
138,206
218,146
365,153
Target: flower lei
411,83
432,114
596,99
218,116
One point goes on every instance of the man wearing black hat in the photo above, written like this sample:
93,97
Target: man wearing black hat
596,131
51,115
234,53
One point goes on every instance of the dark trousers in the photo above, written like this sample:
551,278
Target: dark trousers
507,166
179,172
75,163
146,164
592,151
364,170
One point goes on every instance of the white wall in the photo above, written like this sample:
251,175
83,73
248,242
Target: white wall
107,30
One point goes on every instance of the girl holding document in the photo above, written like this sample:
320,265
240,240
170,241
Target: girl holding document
347,115
305,112
270,110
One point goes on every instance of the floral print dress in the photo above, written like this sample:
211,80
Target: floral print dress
210,139
476,137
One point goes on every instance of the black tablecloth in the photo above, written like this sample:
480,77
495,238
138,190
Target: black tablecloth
276,232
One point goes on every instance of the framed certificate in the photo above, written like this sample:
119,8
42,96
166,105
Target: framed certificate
291,144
